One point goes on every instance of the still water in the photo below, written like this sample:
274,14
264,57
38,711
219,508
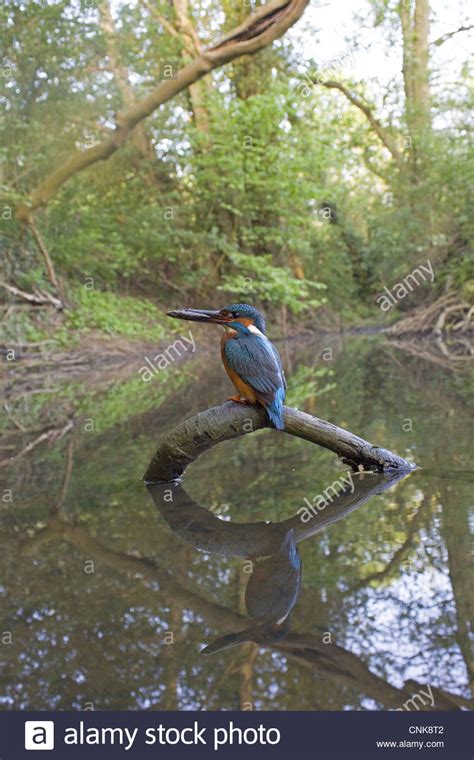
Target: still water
109,592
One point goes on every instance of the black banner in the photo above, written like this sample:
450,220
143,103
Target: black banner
368,735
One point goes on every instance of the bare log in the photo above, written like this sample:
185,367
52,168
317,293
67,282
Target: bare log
190,438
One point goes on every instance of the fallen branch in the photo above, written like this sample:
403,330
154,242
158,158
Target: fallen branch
38,297
448,313
190,438
36,344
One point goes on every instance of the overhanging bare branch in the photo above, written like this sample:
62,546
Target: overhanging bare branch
382,133
259,30
445,37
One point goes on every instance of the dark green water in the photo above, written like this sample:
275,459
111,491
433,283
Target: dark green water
105,606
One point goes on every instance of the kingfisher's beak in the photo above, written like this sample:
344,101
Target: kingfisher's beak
229,640
200,315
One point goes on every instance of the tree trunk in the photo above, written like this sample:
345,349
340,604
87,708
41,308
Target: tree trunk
415,31
191,49
457,537
138,136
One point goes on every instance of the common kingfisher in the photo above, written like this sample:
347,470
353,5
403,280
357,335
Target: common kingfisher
251,361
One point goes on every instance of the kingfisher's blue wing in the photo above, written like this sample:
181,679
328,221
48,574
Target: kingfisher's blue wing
257,362
277,357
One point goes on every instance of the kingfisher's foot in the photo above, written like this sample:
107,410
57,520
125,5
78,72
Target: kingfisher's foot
238,400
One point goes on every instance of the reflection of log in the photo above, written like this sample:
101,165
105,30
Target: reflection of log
207,532
328,660
187,441
456,354
274,585
364,487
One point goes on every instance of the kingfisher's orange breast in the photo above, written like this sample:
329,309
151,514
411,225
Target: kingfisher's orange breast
244,389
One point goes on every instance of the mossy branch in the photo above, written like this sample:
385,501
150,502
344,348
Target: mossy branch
183,444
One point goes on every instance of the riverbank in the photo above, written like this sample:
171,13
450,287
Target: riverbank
104,332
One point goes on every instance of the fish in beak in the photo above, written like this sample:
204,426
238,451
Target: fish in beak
200,315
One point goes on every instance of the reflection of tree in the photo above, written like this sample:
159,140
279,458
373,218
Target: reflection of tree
444,395
327,660
458,540
248,652
394,563
170,700
420,379
52,435
130,666
452,356
406,614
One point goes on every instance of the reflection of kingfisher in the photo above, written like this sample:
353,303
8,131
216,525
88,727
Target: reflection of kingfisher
274,585
251,361
271,594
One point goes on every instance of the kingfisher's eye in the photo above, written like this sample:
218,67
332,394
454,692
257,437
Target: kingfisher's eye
235,314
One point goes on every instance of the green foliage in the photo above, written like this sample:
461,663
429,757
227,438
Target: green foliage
125,399
114,315
238,208
308,382
257,278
